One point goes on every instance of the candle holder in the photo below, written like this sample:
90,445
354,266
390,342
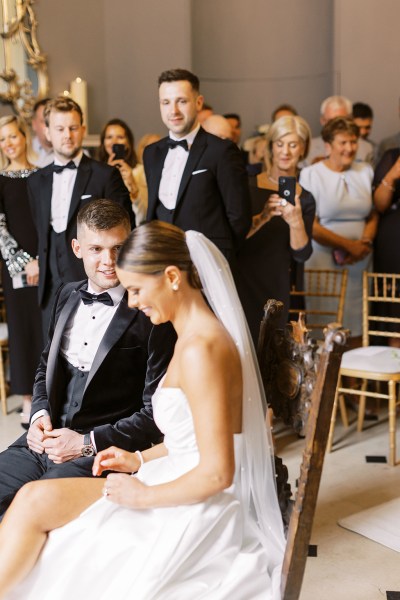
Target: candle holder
21,52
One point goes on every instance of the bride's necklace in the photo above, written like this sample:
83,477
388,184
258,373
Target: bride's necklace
273,180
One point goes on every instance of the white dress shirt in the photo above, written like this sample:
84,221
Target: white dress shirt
63,185
83,334
174,165
85,330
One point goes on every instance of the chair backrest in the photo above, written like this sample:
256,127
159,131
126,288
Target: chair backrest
311,380
380,292
324,296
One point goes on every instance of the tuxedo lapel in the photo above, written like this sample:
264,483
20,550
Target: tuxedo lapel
160,154
67,310
197,149
82,177
119,323
46,191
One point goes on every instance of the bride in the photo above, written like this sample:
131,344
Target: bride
200,517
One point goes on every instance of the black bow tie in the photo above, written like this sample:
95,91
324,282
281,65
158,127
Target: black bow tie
60,168
88,298
174,143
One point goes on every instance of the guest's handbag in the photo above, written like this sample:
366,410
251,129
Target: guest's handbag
339,256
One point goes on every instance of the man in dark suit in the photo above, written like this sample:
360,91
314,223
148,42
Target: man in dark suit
57,192
99,370
195,180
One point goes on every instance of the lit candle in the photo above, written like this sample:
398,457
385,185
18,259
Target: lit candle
79,94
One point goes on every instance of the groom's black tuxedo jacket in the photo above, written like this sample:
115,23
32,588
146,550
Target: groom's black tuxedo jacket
130,361
213,195
93,180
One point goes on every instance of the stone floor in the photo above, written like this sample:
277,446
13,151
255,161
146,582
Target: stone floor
347,566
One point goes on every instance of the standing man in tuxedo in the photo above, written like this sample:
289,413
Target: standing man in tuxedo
196,180
57,192
99,370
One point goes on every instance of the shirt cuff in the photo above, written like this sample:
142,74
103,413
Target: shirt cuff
93,441
39,413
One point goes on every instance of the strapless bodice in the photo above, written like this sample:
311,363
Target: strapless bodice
173,417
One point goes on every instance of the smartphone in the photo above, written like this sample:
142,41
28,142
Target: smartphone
287,189
119,151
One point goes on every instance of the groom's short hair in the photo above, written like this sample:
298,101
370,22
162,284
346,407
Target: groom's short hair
102,215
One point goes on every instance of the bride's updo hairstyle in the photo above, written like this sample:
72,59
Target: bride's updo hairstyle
153,247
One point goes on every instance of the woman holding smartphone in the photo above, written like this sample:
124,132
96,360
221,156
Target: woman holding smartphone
118,150
280,238
345,225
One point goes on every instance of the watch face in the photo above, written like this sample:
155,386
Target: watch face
87,451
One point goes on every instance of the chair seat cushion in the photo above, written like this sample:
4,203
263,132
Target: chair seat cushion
375,359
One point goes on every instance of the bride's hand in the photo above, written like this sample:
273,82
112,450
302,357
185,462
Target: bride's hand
125,490
115,459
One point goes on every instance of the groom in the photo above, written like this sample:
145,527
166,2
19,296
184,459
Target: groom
99,370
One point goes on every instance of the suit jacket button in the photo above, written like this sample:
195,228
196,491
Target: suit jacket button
74,404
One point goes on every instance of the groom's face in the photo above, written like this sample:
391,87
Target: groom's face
179,106
99,251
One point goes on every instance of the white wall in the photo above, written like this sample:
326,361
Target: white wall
250,56
367,58
142,39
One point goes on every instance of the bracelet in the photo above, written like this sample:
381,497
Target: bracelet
140,457
387,184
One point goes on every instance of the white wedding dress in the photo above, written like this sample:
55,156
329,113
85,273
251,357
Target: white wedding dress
198,551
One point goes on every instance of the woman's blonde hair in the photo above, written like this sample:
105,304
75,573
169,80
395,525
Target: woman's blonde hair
23,128
285,126
154,246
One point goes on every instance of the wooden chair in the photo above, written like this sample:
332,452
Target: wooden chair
329,287
373,362
300,386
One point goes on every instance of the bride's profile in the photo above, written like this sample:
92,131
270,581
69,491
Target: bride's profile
200,517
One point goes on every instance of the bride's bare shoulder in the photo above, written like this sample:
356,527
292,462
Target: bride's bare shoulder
211,343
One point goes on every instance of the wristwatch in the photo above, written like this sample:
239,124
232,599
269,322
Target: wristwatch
87,448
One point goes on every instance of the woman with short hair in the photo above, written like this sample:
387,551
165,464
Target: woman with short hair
345,224
279,241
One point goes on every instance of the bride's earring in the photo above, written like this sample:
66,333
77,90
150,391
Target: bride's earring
175,287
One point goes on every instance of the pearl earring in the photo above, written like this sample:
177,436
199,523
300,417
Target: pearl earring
175,287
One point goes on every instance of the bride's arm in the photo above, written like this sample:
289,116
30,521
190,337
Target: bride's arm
213,388
116,459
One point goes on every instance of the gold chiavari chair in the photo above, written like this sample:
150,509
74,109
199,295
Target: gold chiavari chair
328,287
373,362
